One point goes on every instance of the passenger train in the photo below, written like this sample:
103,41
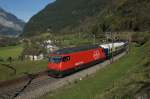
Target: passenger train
69,60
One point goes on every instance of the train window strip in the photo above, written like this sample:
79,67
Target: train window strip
75,49
55,59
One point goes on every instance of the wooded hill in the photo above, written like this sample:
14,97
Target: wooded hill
72,16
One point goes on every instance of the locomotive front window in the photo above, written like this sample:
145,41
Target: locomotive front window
55,59
66,58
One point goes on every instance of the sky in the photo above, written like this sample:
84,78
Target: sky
24,9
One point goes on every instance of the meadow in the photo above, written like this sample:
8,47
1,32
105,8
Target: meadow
13,51
17,68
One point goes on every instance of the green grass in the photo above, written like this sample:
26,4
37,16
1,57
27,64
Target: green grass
91,87
75,39
12,51
136,80
22,67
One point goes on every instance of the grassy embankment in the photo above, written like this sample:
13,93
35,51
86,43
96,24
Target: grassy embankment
21,67
112,81
13,51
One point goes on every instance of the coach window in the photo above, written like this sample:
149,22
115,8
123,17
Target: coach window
66,58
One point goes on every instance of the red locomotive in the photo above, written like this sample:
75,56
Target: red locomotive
68,60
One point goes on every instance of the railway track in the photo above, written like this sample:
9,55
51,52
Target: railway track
36,85
13,88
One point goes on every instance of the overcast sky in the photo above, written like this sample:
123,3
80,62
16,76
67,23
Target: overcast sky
24,9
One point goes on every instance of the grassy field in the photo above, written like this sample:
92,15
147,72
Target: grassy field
12,51
113,81
77,39
136,80
21,67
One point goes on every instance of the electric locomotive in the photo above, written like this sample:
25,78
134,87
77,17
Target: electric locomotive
68,60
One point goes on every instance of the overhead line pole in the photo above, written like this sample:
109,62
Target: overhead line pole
112,37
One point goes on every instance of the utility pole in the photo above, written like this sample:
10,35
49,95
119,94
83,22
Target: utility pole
112,35
129,42
109,36
94,39
113,49
79,35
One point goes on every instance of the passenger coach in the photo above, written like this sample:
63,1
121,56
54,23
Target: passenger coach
113,48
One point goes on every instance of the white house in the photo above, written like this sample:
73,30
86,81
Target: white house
50,46
35,57
48,41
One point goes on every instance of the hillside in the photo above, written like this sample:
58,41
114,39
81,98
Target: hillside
128,15
63,14
84,15
10,24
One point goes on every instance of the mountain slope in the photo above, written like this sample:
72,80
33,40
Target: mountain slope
63,14
129,15
10,24
86,15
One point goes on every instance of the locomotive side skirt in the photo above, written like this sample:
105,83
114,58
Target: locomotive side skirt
55,73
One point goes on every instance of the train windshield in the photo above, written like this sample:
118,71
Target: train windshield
55,59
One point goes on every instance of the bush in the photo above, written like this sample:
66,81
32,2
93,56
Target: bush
140,38
1,59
